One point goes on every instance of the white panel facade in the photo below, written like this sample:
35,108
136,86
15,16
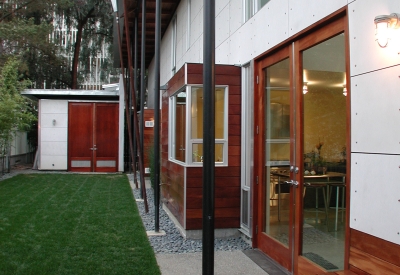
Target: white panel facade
53,163
306,12
366,56
222,25
54,148
236,15
375,194
375,112
53,136
52,120
375,116
53,106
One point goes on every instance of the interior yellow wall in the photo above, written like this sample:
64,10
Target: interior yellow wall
325,121
197,121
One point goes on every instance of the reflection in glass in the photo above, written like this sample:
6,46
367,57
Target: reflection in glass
197,113
324,139
197,149
179,142
277,148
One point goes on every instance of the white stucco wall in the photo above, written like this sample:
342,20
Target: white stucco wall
53,137
375,115
375,87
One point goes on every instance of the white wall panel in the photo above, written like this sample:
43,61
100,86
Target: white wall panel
366,55
271,26
54,106
264,30
197,21
54,148
375,195
61,120
223,53
220,5
306,12
375,112
53,163
222,26
236,15
54,134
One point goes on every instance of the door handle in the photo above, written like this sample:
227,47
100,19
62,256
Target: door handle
94,148
294,183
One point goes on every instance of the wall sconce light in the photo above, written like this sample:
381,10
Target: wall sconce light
54,122
305,88
384,24
344,90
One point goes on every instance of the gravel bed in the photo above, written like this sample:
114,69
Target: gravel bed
172,241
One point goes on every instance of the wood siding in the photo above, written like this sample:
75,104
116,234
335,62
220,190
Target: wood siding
227,179
371,255
148,137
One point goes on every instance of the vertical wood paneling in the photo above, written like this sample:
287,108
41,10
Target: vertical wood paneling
227,179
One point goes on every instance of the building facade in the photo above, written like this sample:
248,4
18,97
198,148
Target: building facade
318,101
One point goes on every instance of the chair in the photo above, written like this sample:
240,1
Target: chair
317,186
340,185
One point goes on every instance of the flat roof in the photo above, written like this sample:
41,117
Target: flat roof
37,94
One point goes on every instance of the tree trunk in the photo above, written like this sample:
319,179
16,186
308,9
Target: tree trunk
75,60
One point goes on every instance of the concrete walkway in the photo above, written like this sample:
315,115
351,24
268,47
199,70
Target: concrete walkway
225,262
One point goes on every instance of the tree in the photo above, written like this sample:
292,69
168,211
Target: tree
15,110
41,31
25,26
93,21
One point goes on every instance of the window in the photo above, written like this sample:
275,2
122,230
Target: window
252,6
173,46
186,138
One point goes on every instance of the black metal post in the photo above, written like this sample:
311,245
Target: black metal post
157,120
131,156
142,81
135,118
135,76
208,135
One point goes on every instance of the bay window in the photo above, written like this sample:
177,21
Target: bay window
186,135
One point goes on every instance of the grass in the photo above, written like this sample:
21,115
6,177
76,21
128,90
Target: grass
72,224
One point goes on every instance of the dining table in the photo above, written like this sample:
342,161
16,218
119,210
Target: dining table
330,179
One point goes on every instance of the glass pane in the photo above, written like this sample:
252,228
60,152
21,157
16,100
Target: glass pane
324,143
197,113
180,127
197,152
277,117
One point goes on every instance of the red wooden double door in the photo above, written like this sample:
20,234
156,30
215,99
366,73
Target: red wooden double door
92,137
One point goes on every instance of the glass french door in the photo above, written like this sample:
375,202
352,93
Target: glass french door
300,152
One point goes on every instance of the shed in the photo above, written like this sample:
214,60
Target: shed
80,130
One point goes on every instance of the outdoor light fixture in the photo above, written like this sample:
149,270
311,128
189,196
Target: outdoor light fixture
344,90
384,26
305,88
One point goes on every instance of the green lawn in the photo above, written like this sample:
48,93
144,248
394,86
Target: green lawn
72,224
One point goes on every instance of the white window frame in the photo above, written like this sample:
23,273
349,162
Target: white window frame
190,141
251,7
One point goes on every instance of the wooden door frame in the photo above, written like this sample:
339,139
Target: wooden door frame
281,253
328,27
